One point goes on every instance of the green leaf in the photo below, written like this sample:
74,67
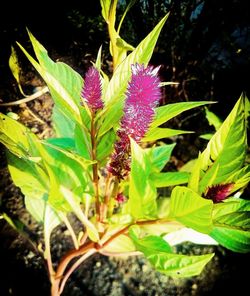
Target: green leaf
69,169
237,220
206,136
105,4
15,68
160,255
105,146
230,205
111,119
232,239
213,119
13,135
34,184
29,176
64,83
115,92
142,193
160,156
63,143
188,167
179,265
240,178
167,112
160,133
121,244
149,244
232,224
74,204
129,6
67,155
98,62
169,179
62,124
82,142
187,207
226,151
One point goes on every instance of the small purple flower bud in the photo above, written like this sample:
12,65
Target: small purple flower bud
91,91
142,96
120,198
219,192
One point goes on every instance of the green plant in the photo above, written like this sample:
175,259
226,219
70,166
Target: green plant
96,167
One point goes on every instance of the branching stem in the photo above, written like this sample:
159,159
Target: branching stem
89,253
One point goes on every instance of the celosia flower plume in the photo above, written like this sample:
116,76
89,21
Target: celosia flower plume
142,96
92,91
219,192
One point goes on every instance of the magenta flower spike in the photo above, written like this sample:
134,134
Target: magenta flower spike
92,91
218,193
142,96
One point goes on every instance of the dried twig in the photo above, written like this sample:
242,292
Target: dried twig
27,99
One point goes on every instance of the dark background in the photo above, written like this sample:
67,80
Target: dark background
204,45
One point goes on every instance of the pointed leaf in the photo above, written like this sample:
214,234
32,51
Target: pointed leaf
13,135
226,151
149,244
161,155
169,179
15,68
64,83
187,207
230,205
142,194
82,141
179,265
161,133
105,4
167,112
121,244
160,255
232,239
213,119
115,92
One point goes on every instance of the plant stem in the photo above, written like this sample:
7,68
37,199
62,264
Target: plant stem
48,258
113,196
70,229
37,94
89,253
95,166
112,32
120,254
104,206
64,263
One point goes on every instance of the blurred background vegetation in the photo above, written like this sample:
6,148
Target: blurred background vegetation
205,44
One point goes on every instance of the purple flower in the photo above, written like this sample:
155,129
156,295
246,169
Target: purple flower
219,192
120,198
91,91
142,96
